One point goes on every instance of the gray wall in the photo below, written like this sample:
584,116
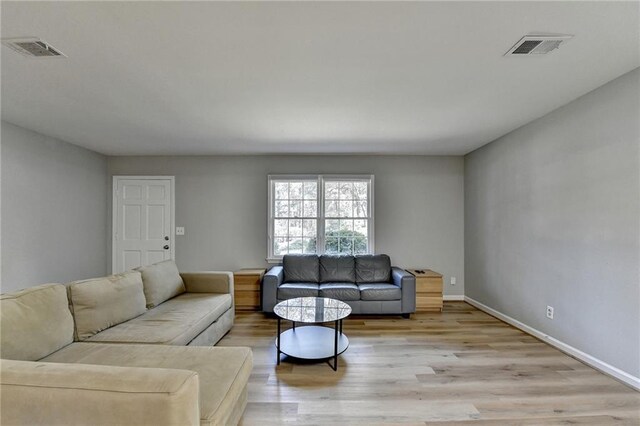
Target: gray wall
222,202
54,210
552,217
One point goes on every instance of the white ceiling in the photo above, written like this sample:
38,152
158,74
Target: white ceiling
303,77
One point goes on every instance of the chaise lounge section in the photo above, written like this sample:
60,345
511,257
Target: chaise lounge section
368,283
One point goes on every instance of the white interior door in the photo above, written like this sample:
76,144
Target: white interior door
143,231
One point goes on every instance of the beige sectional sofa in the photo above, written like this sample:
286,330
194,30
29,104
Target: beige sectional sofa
133,348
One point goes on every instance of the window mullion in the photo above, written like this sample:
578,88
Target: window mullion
370,218
320,224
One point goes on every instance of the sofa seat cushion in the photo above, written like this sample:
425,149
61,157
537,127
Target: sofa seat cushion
34,322
100,303
52,393
340,291
379,291
175,322
162,281
373,268
337,269
291,290
301,268
223,372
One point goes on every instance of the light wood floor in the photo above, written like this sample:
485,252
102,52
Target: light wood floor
459,366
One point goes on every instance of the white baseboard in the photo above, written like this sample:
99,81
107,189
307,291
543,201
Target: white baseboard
453,297
600,365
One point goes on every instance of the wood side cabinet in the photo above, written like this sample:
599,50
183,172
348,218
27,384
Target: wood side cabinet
428,289
247,284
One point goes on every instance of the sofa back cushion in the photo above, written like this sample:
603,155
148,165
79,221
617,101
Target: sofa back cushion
335,268
161,281
373,268
301,268
100,303
34,322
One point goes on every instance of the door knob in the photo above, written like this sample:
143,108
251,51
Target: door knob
166,247
166,238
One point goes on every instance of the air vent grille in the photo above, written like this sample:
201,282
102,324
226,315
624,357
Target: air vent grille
32,47
526,47
538,44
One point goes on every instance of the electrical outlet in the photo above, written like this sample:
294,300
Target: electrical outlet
453,280
550,312
179,230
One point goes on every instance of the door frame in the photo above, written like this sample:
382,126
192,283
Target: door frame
114,212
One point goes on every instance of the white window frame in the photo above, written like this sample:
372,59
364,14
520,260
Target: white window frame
321,179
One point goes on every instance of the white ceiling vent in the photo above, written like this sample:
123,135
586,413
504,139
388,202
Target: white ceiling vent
538,44
32,47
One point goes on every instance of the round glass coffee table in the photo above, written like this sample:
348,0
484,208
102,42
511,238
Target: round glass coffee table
312,342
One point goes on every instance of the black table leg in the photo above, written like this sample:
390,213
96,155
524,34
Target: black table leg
278,341
335,346
340,326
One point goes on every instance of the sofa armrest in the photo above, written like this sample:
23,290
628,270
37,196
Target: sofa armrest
270,283
407,283
208,282
74,394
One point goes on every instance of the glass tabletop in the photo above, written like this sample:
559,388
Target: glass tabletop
312,309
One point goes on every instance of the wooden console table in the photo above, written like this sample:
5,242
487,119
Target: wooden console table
428,289
247,284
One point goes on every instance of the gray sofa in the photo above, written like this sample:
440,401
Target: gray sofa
368,283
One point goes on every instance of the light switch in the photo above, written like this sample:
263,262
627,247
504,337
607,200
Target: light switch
179,230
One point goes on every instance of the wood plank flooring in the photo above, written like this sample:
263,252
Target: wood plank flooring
460,366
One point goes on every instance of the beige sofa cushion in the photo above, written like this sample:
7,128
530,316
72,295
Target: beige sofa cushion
100,303
175,322
208,282
38,393
162,281
223,371
34,322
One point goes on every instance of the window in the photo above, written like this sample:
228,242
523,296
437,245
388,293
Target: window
295,218
320,214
